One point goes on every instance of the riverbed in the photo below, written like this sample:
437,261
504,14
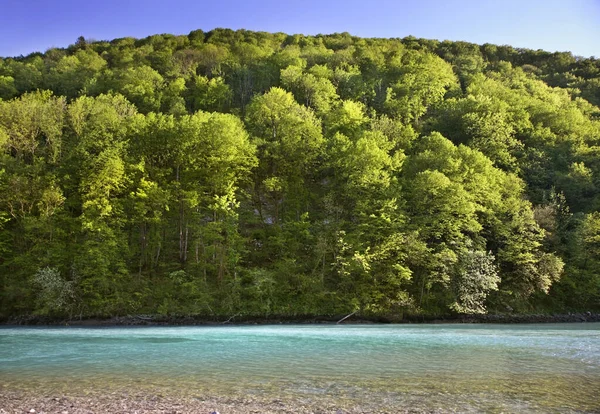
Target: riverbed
305,368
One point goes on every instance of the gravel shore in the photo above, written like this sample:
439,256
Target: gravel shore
18,402
136,403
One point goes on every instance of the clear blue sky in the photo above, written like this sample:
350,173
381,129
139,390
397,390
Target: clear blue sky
566,25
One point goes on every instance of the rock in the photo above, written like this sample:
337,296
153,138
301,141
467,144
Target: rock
32,410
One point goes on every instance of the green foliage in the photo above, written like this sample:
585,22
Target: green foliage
236,172
209,94
476,275
7,87
33,124
142,85
423,80
55,293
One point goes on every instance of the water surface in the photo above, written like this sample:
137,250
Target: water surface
466,368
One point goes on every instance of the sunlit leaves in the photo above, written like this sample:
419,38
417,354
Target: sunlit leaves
476,276
34,125
256,173
423,81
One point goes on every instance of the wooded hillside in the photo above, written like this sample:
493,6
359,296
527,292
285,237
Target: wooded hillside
237,172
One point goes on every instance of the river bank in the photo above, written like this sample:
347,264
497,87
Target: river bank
162,320
140,403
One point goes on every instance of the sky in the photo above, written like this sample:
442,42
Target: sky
27,26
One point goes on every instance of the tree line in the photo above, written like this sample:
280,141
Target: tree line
237,172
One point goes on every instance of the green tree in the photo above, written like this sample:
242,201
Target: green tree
142,85
289,141
422,81
476,275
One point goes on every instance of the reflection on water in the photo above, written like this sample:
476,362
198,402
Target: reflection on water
455,367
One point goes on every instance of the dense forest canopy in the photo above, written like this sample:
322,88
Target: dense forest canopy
237,172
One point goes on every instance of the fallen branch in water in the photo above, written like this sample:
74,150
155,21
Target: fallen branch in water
345,317
229,320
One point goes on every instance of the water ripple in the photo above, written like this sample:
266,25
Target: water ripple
524,368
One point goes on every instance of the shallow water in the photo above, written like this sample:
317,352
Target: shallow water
466,368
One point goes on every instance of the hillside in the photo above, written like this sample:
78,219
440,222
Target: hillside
248,173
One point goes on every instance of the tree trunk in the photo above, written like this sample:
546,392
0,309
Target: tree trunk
142,247
185,244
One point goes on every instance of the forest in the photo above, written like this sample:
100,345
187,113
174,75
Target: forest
262,174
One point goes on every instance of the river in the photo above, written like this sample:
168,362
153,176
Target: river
465,368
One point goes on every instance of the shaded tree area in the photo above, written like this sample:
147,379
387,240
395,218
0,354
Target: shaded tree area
237,172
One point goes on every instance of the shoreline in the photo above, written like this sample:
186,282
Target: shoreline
197,320
141,403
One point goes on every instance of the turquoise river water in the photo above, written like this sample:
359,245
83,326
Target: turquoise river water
467,368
